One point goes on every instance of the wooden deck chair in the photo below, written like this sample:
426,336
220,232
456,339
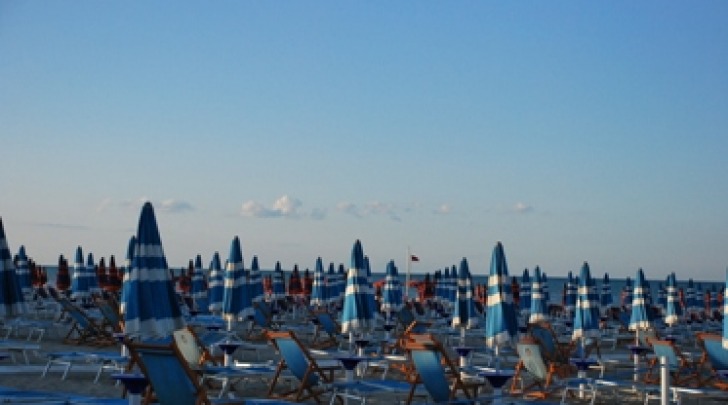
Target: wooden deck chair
542,370
551,349
714,357
295,358
84,330
436,372
683,371
327,332
112,319
193,349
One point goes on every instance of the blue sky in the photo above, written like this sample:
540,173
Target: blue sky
569,131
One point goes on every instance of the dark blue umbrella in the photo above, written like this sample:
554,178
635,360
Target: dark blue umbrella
606,297
464,309
525,298
12,302
318,290
23,271
237,302
342,275
627,293
80,281
539,308
640,319
714,302
279,283
357,315
198,288
500,318
725,313
125,274
255,280
690,298
586,311
392,291
152,309
672,305
93,279
332,285
452,285
216,285
545,286
570,294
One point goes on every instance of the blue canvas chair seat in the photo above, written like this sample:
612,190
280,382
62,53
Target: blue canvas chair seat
551,349
714,359
327,332
545,373
683,371
84,329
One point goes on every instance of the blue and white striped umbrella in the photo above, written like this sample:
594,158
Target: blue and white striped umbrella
500,318
525,298
125,274
370,282
318,289
357,315
606,298
627,293
570,295
586,312
12,302
661,297
341,273
452,285
237,302
437,279
539,308
464,315
392,291
152,310
80,281
255,280
93,279
332,285
714,306
443,288
198,287
279,283
672,305
699,298
23,271
725,312
640,319
690,298
215,285
545,286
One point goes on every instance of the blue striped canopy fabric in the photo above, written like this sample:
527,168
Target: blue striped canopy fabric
12,302
586,311
639,320
318,289
452,285
627,293
279,283
545,286
152,310
342,275
93,279
725,313
255,279
464,309
525,298
690,298
672,306
23,271
332,285
539,308
606,297
444,286
125,274
570,295
80,283
198,287
237,302
392,291
215,285
357,315
500,318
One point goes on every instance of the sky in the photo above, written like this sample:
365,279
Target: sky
569,131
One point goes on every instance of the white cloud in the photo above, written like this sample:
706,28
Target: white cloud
443,209
172,205
284,206
104,204
522,208
349,208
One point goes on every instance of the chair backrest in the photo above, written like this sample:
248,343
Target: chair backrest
405,316
169,374
110,315
545,337
328,323
260,318
664,348
529,352
295,356
427,360
717,354
187,345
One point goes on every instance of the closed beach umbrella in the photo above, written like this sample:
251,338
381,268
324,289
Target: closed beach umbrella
690,298
500,318
255,279
63,276
93,278
525,302
725,313
370,283
464,309
23,271
341,272
586,312
12,302
198,290
114,279
672,303
216,285
279,283
332,285
357,315
606,298
545,286
392,291
661,297
627,293
539,309
318,288
714,306
236,300
125,276
452,285
101,275
639,320
152,309
80,281
570,293
295,285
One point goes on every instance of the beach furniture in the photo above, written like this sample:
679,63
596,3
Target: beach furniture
327,331
714,359
545,370
552,348
683,370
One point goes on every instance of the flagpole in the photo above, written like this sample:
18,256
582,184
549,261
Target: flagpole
407,280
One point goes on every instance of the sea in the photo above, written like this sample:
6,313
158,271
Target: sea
555,284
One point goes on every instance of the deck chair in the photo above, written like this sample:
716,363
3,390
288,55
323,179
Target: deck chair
112,319
541,368
551,349
327,332
437,373
714,358
84,330
683,371
296,359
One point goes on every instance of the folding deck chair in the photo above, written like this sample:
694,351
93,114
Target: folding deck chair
683,371
714,359
545,372
85,329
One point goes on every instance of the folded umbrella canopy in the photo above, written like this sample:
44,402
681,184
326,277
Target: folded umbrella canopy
12,302
463,316
500,318
392,291
525,301
23,271
586,312
357,315
539,309
237,302
198,289
318,288
215,285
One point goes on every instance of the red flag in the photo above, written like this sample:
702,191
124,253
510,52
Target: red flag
414,258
